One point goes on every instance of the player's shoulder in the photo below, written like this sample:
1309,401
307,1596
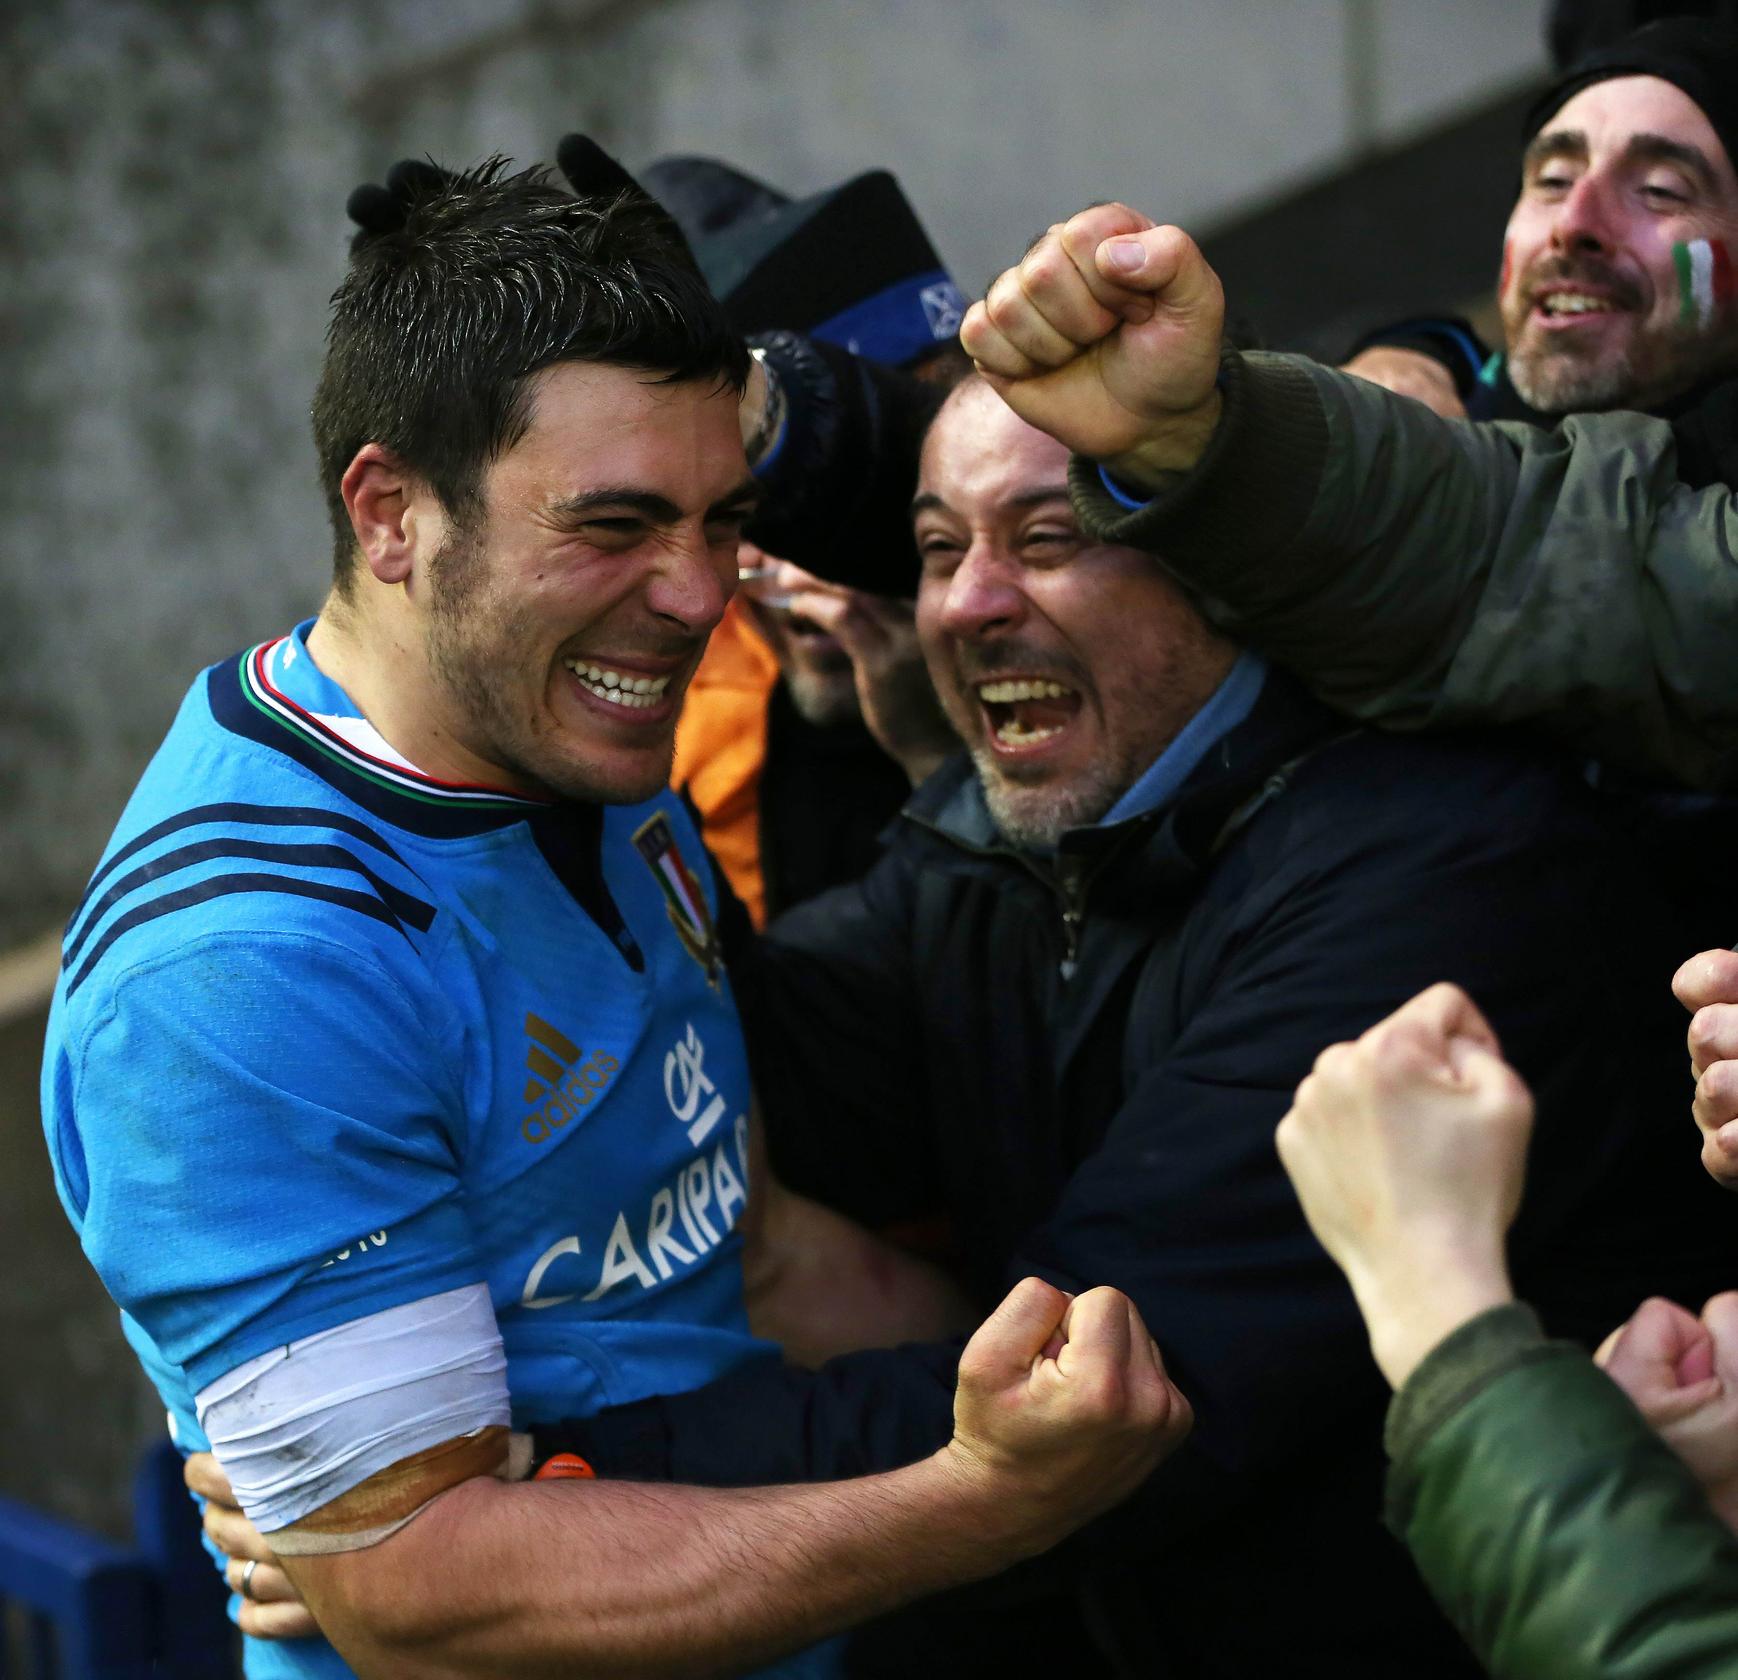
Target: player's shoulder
224,838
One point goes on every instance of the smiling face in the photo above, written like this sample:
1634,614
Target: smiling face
1593,311
559,635
1066,666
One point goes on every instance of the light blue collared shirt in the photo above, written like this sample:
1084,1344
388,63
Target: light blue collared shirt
1229,704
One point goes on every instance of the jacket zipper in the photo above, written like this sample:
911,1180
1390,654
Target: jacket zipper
1068,879
1071,884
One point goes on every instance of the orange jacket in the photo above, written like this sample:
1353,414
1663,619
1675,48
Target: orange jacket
721,750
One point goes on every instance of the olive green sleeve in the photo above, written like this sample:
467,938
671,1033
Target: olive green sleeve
1557,1531
1422,572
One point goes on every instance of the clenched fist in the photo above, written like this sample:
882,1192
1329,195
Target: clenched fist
1707,985
1408,1151
1106,335
1682,1373
1063,1408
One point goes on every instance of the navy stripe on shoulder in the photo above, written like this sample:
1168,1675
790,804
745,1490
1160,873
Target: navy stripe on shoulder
273,816
403,905
220,886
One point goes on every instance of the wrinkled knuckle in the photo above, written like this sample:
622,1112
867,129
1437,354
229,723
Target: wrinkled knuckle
1445,998
1333,1062
1380,1045
1720,1166
1101,1399
1181,1415
1718,1085
1045,267
1003,307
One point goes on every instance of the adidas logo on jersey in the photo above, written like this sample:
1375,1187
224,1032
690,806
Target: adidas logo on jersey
560,1085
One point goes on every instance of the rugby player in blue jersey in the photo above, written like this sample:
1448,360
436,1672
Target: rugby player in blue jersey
394,1082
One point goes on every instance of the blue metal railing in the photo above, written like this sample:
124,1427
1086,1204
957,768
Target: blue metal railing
98,1611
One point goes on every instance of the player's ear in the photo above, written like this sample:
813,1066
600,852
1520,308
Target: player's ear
380,496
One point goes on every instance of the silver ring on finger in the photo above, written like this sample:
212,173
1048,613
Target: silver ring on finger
245,1585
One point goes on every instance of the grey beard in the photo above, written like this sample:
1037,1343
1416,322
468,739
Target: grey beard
1034,819
1560,385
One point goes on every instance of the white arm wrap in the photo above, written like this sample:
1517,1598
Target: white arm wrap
302,1424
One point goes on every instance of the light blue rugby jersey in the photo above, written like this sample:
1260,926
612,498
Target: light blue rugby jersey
331,1036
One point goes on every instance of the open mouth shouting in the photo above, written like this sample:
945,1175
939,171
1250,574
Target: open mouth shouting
1024,714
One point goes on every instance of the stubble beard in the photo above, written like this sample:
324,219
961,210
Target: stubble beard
472,642
1034,813
1033,816
1031,812
1656,366
1554,383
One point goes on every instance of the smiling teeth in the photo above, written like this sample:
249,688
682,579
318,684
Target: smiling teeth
1002,693
1576,303
1012,735
636,693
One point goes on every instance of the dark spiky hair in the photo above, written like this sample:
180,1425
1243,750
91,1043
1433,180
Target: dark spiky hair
491,277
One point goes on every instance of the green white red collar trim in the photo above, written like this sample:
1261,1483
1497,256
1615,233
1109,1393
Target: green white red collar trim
393,773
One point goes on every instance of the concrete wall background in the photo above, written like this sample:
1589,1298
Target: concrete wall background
172,179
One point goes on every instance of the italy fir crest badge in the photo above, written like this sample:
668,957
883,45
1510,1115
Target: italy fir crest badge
684,901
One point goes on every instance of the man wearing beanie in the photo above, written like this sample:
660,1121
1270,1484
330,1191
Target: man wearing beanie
843,287
1616,292
1615,288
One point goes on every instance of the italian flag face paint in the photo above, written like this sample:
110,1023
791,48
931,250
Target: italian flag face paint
1704,281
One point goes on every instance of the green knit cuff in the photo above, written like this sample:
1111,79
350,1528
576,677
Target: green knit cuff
1460,1367
1250,492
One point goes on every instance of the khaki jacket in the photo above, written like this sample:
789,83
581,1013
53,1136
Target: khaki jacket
1423,572
1561,1536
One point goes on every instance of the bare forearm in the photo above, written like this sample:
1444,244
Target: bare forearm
1416,1310
820,1285
621,1579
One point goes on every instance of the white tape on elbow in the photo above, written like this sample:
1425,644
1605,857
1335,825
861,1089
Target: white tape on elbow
299,1426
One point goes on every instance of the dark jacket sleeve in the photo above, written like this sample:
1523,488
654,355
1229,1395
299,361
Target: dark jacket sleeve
1552,1525
767,1422
1419,571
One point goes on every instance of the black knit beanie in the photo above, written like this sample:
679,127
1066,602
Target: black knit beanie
1693,54
851,266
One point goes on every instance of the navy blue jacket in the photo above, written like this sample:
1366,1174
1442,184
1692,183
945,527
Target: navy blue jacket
1081,1064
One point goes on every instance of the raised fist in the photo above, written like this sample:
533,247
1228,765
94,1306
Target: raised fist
1682,1373
1063,1408
1408,1151
1106,335
1707,985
